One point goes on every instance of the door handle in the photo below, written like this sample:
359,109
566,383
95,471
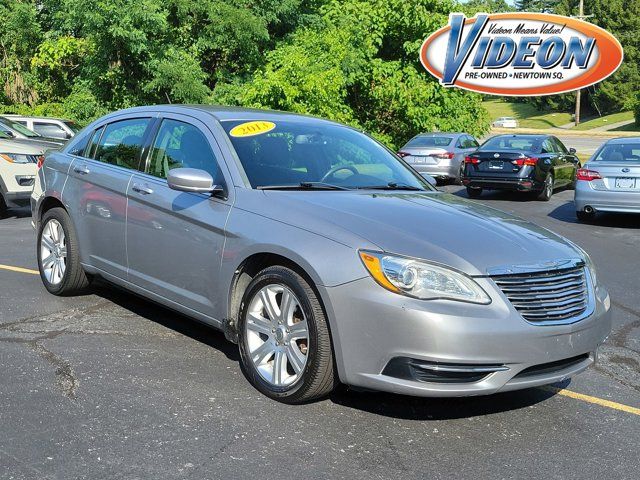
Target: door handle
141,189
81,169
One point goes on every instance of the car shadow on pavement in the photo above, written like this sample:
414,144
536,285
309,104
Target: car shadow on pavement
419,408
167,318
567,213
503,195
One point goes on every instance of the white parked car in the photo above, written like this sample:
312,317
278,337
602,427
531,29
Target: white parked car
48,127
19,161
506,122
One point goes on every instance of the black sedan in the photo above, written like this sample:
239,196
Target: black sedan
527,163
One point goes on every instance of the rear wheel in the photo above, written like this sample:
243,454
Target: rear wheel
585,216
474,192
58,255
284,341
3,206
547,189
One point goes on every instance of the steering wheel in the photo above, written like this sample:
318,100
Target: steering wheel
337,168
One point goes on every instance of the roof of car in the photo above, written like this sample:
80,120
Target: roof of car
225,113
441,134
621,140
15,115
525,135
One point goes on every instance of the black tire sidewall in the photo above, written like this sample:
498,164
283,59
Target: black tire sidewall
279,275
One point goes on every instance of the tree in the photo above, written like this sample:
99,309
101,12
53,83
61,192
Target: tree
359,64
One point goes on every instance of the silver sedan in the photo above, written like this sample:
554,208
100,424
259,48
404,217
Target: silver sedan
440,155
316,250
610,180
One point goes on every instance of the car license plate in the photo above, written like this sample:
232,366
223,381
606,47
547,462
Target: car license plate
623,182
496,165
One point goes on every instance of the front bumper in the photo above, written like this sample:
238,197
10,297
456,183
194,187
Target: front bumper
496,183
605,200
372,327
17,199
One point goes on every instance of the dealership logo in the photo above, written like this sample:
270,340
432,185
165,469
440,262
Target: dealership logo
520,54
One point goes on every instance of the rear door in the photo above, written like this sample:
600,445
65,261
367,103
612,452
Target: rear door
569,161
175,239
96,191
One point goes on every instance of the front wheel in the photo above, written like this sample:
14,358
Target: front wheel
547,189
284,341
59,256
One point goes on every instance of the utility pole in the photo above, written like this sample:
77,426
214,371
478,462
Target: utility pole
580,16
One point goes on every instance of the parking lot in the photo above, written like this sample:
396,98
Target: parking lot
111,386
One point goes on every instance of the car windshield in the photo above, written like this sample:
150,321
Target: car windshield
312,154
18,127
529,144
424,141
619,152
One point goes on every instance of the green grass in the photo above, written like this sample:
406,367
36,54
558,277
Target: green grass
527,115
607,120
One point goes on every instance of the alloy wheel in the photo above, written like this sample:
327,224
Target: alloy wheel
277,335
53,251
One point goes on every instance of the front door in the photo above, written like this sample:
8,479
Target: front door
175,239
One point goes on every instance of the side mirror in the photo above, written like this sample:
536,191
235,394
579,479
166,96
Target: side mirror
430,180
192,180
9,133
572,151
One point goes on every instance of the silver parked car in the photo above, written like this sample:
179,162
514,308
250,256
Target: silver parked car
58,128
440,155
319,251
610,180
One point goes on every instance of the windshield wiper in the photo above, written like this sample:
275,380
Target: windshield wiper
304,186
392,186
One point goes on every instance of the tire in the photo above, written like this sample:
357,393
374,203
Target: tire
3,207
584,216
474,192
70,279
460,174
317,377
547,191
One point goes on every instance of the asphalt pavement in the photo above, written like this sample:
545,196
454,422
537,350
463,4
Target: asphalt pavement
108,385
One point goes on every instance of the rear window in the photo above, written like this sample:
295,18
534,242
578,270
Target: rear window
511,143
629,152
429,142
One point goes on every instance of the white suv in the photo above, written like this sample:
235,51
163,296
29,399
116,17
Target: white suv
18,167
48,127
506,122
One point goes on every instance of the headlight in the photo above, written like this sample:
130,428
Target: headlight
18,158
420,279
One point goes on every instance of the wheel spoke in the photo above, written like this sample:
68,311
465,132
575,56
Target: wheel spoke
259,324
299,330
63,251
47,242
262,353
296,357
48,261
268,303
279,367
287,305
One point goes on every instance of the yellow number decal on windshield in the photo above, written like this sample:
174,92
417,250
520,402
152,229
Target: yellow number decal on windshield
252,128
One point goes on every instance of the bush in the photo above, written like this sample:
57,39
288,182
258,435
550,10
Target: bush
636,111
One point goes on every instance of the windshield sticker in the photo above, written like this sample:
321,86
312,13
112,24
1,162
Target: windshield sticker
248,129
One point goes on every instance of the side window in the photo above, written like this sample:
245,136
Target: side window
79,145
461,142
49,130
559,146
472,142
92,146
121,142
181,145
547,146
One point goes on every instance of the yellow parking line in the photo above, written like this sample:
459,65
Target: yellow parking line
19,269
595,400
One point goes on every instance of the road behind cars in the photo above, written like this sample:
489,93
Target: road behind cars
111,386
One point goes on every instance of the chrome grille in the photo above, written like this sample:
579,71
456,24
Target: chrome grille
547,296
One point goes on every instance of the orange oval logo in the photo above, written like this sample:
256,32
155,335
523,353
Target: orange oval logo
520,54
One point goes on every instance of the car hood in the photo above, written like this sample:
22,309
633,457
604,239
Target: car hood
31,146
433,226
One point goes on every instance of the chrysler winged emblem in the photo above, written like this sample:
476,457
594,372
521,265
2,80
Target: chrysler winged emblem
496,155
